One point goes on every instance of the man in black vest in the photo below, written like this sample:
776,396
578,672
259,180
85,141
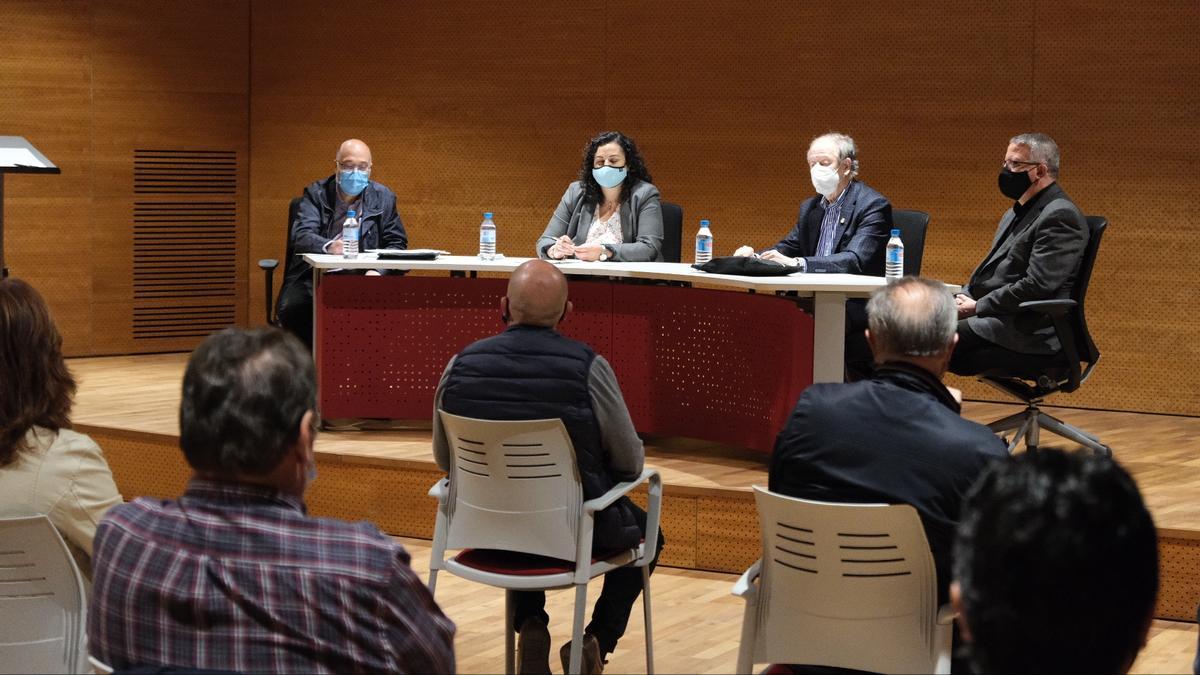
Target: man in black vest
897,437
530,371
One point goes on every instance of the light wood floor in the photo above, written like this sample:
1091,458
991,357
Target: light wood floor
141,393
696,625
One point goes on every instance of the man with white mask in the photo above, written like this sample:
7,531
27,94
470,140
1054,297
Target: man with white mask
844,228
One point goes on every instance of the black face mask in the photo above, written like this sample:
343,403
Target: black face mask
1013,184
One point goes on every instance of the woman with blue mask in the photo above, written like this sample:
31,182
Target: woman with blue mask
612,212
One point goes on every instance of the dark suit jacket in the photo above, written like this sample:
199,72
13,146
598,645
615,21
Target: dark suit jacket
381,228
896,438
641,223
862,233
1035,257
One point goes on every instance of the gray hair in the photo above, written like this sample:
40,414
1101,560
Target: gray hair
1042,148
912,317
845,145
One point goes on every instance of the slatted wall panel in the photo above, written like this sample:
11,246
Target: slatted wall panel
184,242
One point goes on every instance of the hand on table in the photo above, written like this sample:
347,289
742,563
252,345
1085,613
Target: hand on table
562,248
589,252
744,252
775,256
335,247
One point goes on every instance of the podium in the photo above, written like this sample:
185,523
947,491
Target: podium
18,156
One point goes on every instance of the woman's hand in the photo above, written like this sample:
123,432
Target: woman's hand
589,252
562,248
744,252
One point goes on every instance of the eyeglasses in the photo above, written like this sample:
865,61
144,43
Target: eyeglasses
351,166
1014,164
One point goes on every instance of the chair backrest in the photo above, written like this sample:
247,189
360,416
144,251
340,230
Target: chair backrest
1088,352
42,605
912,225
514,486
672,217
289,257
846,585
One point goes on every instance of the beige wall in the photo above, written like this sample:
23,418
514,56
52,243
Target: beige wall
477,106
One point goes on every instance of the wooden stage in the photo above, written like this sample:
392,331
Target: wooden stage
129,405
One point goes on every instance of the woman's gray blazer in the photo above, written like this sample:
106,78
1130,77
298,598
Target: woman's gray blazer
641,223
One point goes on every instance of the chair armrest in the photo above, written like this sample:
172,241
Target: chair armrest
744,587
616,492
440,490
268,264
946,614
1048,307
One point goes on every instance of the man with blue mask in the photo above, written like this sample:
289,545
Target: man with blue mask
317,228
1035,255
843,228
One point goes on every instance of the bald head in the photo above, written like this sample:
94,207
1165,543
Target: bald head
354,151
537,295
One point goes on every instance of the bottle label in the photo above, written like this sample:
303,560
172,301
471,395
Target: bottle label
703,245
895,255
487,236
350,233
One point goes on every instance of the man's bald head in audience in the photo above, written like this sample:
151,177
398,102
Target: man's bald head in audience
537,295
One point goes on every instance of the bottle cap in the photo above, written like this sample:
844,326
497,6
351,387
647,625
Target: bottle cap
487,214
703,223
895,233
349,214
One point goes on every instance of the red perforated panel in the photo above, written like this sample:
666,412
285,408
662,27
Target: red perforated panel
716,365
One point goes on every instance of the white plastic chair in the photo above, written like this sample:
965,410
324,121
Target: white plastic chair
846,585
99,667
514,486
42,604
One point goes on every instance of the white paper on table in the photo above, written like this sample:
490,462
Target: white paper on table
19,157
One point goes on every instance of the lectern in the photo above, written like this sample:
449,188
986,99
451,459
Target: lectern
18,156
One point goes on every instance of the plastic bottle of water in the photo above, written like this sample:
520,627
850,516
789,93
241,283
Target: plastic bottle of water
487,237
350,231
704,243
894,267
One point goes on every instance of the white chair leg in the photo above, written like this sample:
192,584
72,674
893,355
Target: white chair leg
432,580
646,611
943,638
745,659
510,651
576,662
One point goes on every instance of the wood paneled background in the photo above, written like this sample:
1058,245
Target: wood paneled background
475,106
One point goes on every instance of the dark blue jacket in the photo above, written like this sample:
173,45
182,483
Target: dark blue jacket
529,373
381,227
861,234
896,438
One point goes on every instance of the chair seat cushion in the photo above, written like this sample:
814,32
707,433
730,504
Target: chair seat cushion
522,564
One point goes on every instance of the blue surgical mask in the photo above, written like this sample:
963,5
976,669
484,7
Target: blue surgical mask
352,182
609,176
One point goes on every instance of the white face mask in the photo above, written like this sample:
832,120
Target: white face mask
825,178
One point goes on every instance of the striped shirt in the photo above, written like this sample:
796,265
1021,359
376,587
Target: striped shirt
833,212
238,577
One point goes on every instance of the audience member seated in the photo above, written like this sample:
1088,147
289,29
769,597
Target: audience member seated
1056,567
1035,256
44,466
530,371
898,436
318,228
844,228
235,575
612,212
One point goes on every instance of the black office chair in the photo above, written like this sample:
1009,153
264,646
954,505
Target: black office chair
672,217
912,225
1045,375
268,265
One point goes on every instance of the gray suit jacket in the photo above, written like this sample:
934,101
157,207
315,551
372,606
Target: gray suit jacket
1034,258
641,223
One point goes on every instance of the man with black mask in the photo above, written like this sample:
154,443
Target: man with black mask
323,210
1035,256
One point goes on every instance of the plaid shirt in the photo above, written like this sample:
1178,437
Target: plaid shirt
238,577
